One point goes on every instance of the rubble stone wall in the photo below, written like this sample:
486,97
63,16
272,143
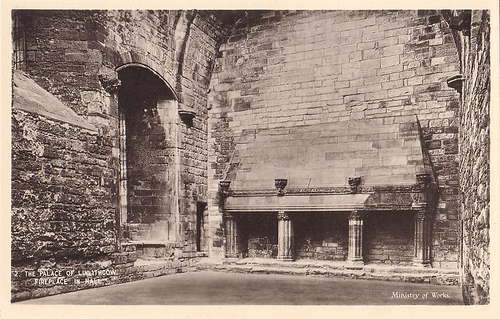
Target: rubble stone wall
389,238
62,194
63,211
324,238
260,239
475,162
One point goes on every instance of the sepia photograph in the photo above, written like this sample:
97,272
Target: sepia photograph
328,157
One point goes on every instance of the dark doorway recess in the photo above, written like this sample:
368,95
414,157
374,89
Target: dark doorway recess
200,221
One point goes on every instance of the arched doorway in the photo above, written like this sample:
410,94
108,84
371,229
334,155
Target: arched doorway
149,160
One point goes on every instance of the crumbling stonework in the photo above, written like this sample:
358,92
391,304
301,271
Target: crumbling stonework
73,54
65,208
61,178
473,42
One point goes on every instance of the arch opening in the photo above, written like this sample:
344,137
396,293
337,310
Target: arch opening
149,162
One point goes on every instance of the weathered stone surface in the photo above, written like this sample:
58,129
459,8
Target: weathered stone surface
65,178
327,154
474,144
305,92
29,96
61,208
326,70
331,269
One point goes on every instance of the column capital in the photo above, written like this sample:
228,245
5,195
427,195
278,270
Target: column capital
421,214
283,215
356,215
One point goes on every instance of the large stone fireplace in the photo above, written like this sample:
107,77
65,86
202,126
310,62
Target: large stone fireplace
328,192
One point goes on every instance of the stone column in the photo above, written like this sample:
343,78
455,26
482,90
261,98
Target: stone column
285,237
122,190
231,237
355,249
167,111
421,256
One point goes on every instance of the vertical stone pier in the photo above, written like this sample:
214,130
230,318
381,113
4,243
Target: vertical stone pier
422,235
285,237
355,249
231,237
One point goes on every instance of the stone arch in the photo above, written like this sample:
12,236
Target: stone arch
149,160
163,67
153,71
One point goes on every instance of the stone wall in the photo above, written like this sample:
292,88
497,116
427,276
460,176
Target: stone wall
283,70
321,236
63,212
62,195
259,235
74,55
150,150
277,70
64,178
475,159
388,238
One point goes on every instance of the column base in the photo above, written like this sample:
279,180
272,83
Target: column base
284,258
356,262
422,264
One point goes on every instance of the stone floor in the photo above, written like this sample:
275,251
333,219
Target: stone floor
220,288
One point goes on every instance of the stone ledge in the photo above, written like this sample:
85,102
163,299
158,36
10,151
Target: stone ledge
335,269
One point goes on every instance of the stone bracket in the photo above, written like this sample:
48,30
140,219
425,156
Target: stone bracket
109,80
354,183
455,82
280,184
426,196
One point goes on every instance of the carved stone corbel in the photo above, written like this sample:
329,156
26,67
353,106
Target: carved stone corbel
109,80
455,82
224,188
280,184
460,20
354,183
420,198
